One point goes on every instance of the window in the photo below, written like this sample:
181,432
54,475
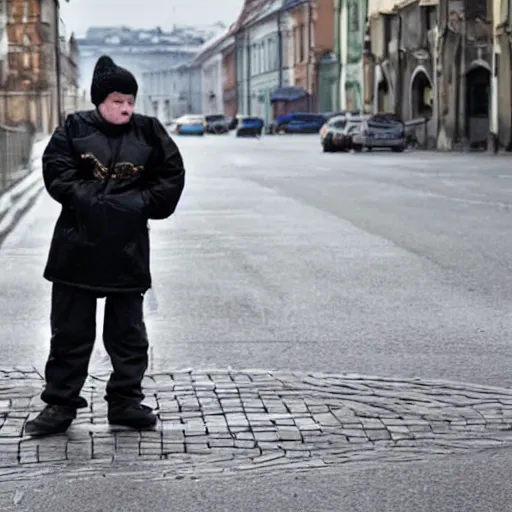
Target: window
27,61
296,45
25,11
302,43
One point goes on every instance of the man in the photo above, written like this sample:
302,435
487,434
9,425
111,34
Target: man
111,170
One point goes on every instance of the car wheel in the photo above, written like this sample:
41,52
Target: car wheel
327,144
357,148
399,149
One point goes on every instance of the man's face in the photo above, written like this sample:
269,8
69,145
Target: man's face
117,108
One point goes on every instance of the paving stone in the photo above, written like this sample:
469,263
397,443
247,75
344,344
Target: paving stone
289,434
215,420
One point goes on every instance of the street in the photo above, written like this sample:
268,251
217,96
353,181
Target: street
281,257
345,315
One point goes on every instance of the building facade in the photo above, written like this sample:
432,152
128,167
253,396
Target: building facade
464,65
229,97
39,67
258,44
501,107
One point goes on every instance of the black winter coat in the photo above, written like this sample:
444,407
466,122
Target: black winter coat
109,180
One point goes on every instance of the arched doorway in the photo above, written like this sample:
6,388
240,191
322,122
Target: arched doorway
383,104
478,87
421,95
422,100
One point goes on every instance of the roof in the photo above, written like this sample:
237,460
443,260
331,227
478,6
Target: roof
250,11
208,48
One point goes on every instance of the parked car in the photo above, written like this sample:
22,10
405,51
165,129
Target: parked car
250,127
188,125
299,123
336,134
383,131
339,133
216,123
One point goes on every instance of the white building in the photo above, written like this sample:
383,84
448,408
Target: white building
262,59
195,87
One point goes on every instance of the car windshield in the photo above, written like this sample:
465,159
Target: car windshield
337,122
214,118
352,128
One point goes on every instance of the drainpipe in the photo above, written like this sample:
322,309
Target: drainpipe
248,49
337,31
343,52
56,21
279,49
399,81
308,69
462,119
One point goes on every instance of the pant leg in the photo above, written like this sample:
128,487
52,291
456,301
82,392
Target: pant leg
73,327
126,341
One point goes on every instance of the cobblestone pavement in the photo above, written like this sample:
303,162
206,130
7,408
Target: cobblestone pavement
218,421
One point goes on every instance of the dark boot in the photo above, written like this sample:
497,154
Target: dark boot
53,419
136,416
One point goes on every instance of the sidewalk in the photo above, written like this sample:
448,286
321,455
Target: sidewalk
223,421
17,200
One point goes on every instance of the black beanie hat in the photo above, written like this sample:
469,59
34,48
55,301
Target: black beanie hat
108,78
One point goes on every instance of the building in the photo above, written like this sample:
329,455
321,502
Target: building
401,64
139,50
315,66
32,71
229,97
209,59
464,68
258,61
350,30
71,97
501,107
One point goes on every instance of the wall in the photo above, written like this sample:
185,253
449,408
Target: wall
212,97
264,66
354,80
229,80
465,45
502,122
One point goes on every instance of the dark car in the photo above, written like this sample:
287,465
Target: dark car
299,123
250,127
383,131
216,123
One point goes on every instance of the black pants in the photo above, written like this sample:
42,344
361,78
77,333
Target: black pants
73,326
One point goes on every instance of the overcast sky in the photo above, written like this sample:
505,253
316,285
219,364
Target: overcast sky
79,15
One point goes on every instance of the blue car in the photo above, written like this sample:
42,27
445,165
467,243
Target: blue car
299,123
250,127
189,125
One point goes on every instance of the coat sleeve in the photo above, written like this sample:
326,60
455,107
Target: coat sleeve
61,176
166,175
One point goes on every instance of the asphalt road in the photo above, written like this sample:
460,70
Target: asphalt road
281,257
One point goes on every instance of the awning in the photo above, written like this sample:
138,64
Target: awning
291,4
289,93
428,3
